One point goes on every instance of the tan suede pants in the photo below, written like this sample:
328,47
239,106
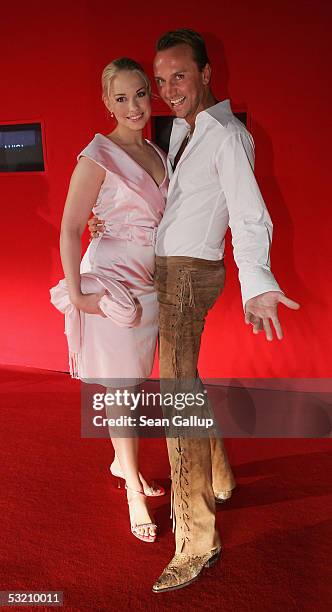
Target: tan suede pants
187,288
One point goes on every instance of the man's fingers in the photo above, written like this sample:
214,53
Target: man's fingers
267,329
97,231
263,309
289,303
95,223
258,325
277,327
255,321
247,318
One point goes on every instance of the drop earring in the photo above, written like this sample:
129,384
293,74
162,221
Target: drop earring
112,114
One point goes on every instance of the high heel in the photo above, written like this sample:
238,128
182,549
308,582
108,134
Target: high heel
148,491
118,482
134,526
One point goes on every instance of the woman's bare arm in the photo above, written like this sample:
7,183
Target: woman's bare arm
84,187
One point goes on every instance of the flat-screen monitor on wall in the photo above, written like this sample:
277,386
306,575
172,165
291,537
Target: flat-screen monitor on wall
21,148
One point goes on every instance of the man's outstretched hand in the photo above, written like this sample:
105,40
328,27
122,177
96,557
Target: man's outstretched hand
261,308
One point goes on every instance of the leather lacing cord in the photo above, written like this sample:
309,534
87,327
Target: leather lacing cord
185,275
180,481
180,486
184,280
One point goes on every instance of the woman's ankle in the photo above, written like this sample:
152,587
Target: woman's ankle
134,485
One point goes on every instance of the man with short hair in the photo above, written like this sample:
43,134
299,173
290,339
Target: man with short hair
211,156
211,160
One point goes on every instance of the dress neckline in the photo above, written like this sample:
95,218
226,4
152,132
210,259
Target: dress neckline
135,162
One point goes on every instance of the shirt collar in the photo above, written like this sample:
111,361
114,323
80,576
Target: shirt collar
219,111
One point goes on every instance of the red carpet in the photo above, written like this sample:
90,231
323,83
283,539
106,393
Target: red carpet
65,528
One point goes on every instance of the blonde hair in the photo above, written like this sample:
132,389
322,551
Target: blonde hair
116,66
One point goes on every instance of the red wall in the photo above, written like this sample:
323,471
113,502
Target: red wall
270,59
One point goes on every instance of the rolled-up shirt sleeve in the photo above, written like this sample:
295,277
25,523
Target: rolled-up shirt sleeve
249,220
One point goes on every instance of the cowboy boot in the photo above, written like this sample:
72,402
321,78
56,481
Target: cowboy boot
197,542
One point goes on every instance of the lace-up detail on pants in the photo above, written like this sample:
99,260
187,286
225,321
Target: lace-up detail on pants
180,493
184,298
187,288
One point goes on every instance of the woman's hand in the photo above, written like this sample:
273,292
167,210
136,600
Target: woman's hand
89,303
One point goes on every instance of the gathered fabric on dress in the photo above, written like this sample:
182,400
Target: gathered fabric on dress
131,204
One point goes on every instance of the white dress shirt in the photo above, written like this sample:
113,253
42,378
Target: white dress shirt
214,186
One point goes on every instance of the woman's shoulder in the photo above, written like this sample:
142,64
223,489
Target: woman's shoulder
98,149
95,146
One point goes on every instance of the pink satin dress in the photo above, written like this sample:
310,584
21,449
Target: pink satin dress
132,205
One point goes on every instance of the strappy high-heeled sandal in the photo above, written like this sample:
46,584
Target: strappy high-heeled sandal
152,491
134,526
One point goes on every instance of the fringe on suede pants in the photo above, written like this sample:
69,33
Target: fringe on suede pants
187,288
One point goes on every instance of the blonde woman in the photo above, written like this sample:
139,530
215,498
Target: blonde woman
123,179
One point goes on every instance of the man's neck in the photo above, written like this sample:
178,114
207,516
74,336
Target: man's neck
208,101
